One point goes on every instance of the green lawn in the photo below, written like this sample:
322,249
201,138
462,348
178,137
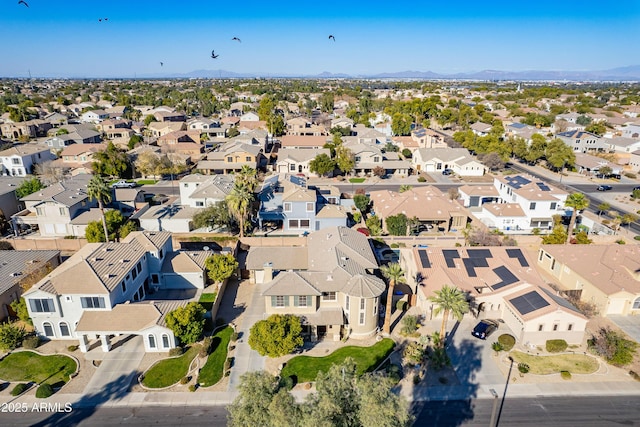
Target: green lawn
306,368
169,371
30,366
213,370
146,181
207,300
543,365
357,180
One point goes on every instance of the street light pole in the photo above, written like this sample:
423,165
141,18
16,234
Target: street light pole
504,395
492,423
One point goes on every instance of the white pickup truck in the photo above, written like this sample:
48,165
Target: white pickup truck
123,184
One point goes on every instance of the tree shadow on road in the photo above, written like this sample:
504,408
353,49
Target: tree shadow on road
85,407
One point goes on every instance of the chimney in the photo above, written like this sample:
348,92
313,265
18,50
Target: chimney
268,272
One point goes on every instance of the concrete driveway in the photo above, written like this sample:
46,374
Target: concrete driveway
629,324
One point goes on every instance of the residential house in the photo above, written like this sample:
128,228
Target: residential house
94,116
438,159
429,205
287,202
56,119
77,158
9,204
304,142
249,117
621,144
166,217
201,191
21,159
30,128
590,165
180,137
301,126
128,200
634,161
343,122
245,150
500,283
630,131
209,127
331,283
427,138
169,116
606,276
116,295
158,129
481,129
116,111
581,141
368,136
15,267
293,160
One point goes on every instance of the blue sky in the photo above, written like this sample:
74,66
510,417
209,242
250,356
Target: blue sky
55,38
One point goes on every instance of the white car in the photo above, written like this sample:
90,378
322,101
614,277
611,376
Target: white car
123,184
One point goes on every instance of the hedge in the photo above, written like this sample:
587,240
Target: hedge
44,391
556,346
507,341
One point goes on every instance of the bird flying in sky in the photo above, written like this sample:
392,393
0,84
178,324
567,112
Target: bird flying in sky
162,64
23,2
331,37
213,54
237,39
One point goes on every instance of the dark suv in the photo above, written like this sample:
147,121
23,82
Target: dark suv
485,328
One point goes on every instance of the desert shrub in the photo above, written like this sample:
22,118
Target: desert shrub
409,325
193,387
72,347
394,245
634,375
19,389
234,337
44,391
507,341
184,380
395,372
413,353
612,345
422,179
523,368
630,175
556,346
497,347
176,351
228,363
636,238
206,347
401,305
31,342
565,375
287,383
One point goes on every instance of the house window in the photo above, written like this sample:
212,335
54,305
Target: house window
287,207
361,320
329,296
346,303
376,159
63,211
362,303
15,161
229,159
165,340
134,273
553,264
636,304
139,267
152,341
293,223
185,185
358,158
292,167
64,329
439,166
42,305
40,211
154,278
375,306
570,327
304,223
247,159
277,301
92,302
540,328
540,256
310,207
532,206
124,287
160,254
303,301
199,204
553,206
48,329
555,326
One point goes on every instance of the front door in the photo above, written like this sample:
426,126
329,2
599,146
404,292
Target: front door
322,331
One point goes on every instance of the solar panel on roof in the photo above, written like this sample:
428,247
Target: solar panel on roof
449,256
542,186
479,253
517,253
470,267
506,277
424,259
529,302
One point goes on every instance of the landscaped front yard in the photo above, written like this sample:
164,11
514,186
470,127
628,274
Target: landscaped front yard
544,365
213,370
170,371
306,368
29,366
207,299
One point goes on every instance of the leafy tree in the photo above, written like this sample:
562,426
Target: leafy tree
558,236
187,323
345,159
406,153
397,224
449,300
216,215
112,161
390,147
336,141
605,171
148,119
581,238
6,246
374,225
362,202
20,307
597,128
239,202
379,171
220,267
266,107
29,186
233,132
134,140
322,164
628,218
536,149
583,120
276,125
97,190
11,336
256,392
559,154
603,207
519,147
578,202
278,335
401,124
94,233
326,102
394,274
493,161
413,353
148,163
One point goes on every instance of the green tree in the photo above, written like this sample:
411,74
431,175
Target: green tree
559,155
583,120
216,215
28,186
233,132
11,336
112,161
605,171
450,301
628,218
20,307
98,190
536,149
345,159
336,141
401,124
256,392
278,335
597,128
266,107
326,102
374,225
276,125
362,202
248,178
134,140
603,207
394,275
322,165
239,201
558,236
94,232
187,323
578,202
397,224
148,119
220,267
405,187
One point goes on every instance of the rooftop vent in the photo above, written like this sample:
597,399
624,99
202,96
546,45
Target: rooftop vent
16,274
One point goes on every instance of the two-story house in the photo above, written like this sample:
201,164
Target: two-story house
583,142
292,160
231,157
94,116
201,191
21,159
158,129
117,291
331,283
301,126
77,158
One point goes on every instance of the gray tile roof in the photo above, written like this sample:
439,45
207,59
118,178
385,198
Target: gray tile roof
15,265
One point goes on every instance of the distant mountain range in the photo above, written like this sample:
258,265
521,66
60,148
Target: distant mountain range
630,73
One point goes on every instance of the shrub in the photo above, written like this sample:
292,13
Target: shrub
176,351
401,305
612,345
394,245
634,375
228,363
234,337
523,368
565,375
72,348
11,336
409,325
395,372
497,347
193,387
556,346
507,341
19,389
31,342
422,179
206,347
44,391
287,383
630,175
636,238
184,380
621,242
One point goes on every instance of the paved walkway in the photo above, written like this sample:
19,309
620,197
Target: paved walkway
629,324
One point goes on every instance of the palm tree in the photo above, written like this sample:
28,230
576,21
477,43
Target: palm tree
98,190
239,200
449,300
578,202
394,274
603,207
247,177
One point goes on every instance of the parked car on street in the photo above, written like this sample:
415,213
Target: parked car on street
447,172
124,184
485,328
604,188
